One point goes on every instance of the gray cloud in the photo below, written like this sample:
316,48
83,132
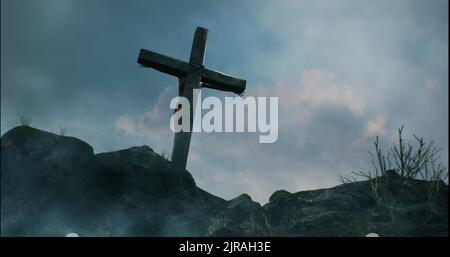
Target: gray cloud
343,70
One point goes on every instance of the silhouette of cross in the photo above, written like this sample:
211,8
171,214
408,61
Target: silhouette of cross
192,75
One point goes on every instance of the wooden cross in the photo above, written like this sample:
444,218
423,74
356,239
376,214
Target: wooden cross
192,75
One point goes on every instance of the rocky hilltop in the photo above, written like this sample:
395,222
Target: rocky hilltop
53,185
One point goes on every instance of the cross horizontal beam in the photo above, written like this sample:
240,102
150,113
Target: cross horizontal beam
164,63
210,78
217,80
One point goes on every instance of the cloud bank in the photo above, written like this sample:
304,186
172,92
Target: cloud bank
344,72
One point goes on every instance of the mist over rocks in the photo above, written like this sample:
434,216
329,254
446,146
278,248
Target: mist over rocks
54,185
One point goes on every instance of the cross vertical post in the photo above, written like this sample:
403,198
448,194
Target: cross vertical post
192,75
182,139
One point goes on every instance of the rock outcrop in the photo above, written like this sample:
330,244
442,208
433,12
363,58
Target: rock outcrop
53,185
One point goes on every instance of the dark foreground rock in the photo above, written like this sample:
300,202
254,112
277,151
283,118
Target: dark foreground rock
52,185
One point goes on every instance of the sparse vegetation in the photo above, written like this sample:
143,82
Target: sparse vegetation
165,155
62,130
406,161
25,121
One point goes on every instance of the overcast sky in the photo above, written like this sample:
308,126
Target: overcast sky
344,72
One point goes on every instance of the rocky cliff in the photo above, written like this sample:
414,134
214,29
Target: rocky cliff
53,185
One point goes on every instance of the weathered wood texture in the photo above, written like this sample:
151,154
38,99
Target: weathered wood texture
191,75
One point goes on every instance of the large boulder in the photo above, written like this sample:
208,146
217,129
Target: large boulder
52,185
